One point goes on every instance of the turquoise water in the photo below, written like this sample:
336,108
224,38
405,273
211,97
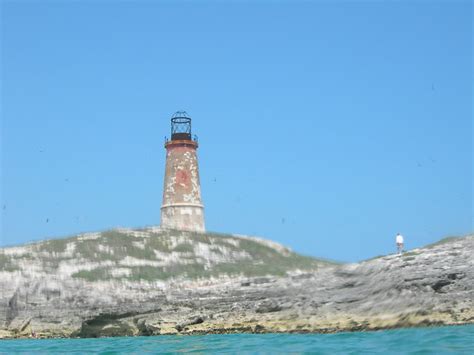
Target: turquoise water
456,339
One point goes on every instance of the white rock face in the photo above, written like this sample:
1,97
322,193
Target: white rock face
152,281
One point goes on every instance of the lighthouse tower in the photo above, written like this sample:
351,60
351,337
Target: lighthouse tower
182,207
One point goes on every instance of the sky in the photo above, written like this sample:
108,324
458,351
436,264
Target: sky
325,126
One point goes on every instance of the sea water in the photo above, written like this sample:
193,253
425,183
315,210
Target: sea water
436,340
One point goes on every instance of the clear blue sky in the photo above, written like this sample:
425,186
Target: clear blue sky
328,127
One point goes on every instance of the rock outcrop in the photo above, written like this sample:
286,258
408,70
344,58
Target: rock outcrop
150,282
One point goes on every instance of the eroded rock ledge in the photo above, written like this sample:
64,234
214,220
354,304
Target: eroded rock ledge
428,286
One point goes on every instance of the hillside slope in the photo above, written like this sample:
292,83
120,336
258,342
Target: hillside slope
152,254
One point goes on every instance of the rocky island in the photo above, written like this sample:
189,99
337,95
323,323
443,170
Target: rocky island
128,282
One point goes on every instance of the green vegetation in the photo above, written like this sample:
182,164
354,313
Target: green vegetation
96,274
191,255
55,245
184,248
277,267
410,253
228,255
443,241
150,273
6,263
375,257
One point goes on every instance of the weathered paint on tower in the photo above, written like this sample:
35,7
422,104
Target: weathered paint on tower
182,206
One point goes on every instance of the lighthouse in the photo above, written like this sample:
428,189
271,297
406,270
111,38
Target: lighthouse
182,206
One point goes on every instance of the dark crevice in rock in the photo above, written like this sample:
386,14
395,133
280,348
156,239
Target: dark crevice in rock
12,310
195,320
268,307
440,284
25,324
106,324
51,293
145,328
456,276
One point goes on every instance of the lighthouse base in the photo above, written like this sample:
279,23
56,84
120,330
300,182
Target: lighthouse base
183,217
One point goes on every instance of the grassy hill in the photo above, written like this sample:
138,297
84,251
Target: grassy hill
152,254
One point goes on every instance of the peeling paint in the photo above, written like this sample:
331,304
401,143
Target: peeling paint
182,206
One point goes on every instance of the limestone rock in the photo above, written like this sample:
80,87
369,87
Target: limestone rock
150,282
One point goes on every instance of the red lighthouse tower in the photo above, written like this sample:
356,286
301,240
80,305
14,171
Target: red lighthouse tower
182,206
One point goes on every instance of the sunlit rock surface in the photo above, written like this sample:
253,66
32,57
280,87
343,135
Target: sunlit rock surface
150,282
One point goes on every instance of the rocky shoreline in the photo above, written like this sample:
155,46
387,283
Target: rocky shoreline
429,286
